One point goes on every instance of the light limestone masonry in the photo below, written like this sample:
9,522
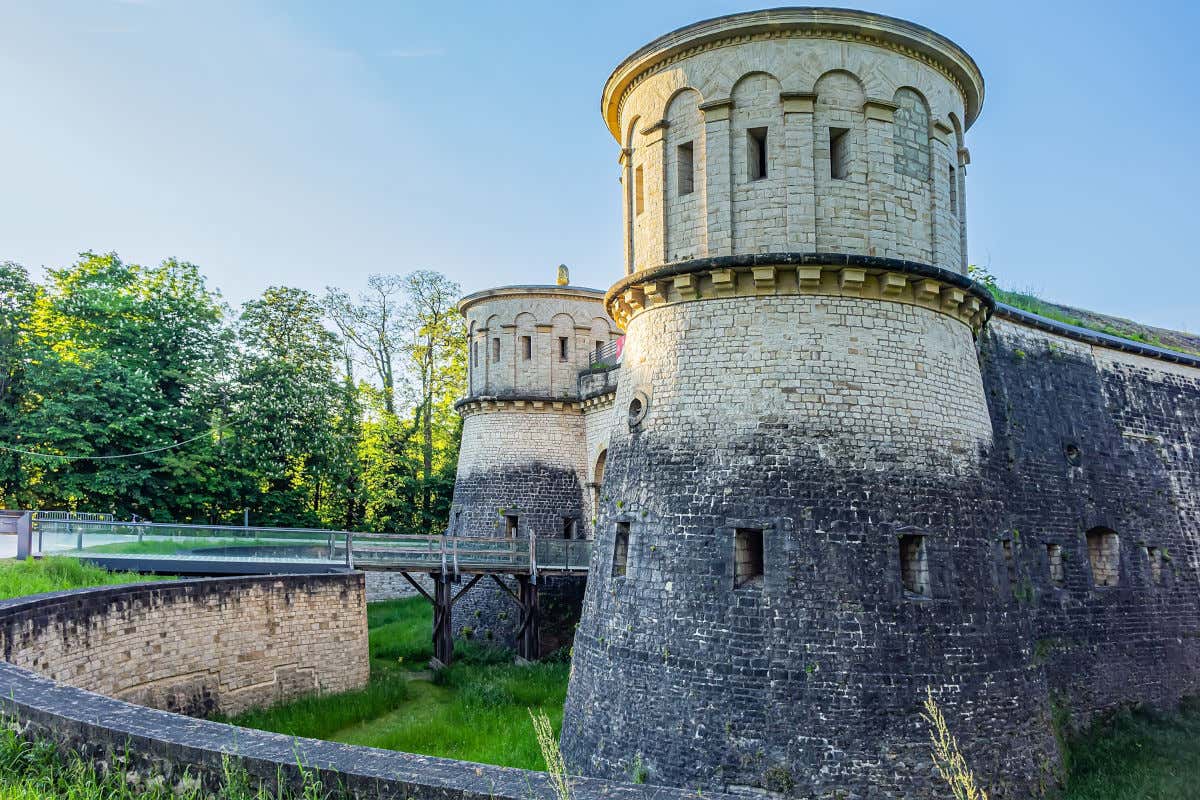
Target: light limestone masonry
499,319
200,646
798,73
868,383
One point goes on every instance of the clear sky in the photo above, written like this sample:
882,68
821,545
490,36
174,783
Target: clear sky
315,143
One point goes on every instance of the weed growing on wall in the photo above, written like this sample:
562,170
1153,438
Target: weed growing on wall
556,768
946,756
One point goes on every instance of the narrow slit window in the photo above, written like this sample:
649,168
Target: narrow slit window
1055,559
599,348
1009,567
953,192
686,169
621,551
839,153
526,347
495,349
564,348
512,525
914,565
639,191
747,557
475,355
1154,555
1104,554
756,153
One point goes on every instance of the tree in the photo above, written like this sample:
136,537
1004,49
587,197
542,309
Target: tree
121,359
283,403
16,302
437,359
372,325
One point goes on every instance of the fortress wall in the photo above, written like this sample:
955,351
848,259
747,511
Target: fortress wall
1133,421
866,382
197,647
526,462
836,426
597,421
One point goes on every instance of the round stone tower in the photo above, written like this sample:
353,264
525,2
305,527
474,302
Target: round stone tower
793,539
523,466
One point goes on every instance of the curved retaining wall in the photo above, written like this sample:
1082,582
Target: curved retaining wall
101,637
197,647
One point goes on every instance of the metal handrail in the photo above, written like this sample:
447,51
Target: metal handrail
451,555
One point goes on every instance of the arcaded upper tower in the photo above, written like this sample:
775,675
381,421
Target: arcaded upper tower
794,130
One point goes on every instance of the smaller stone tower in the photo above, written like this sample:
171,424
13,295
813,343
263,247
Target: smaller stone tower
524,466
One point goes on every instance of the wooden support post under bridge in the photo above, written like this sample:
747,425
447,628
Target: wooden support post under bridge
443,599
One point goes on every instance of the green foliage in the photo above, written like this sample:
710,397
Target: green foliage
105,359
477,709
1137,754
37,770
1028,301
56,574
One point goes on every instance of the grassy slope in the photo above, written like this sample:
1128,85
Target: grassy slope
1145,756
55,574
1113,326
477,710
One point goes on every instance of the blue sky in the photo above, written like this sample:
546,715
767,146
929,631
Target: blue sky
315,143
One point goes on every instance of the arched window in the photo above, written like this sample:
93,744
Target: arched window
1104,553
910,135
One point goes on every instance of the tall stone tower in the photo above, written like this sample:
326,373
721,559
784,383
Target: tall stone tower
524,466
794,531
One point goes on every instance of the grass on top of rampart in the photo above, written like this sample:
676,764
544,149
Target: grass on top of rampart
56,574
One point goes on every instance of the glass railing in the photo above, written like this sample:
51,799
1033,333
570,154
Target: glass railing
115,541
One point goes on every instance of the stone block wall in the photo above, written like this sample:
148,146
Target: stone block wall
197,647
776,72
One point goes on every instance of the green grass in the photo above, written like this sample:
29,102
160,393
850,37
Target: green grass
55,574
1140,755
477,710
169,546
38,771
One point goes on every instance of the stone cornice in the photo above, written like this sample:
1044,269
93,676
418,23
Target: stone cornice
576,292
906,38
527,403
600,401
784,274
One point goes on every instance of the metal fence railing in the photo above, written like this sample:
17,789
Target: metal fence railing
449,554
608,355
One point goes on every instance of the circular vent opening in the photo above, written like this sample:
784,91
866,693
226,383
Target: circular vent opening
637,409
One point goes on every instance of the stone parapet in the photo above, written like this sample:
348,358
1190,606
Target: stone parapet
828,274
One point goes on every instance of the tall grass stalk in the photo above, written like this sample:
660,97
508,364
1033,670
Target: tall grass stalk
946,756
556,768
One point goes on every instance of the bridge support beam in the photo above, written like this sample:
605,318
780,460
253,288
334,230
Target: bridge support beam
529,635
443,629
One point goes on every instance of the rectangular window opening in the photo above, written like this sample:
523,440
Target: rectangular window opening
1104,553
599,348
621,551
756,153
839,153
1009,567
953,192
495,349
639,191
686,169
747,557
570,527
1155,556
526,347
564,348
914,565
1055,559
512,525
